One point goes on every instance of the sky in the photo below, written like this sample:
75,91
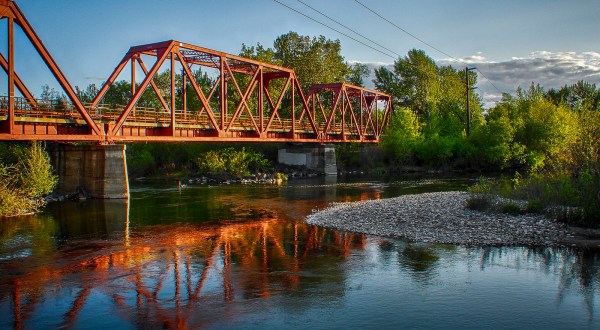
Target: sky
513,43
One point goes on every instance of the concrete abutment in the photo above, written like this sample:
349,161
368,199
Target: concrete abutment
96,171
320,158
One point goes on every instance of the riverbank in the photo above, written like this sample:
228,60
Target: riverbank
442,218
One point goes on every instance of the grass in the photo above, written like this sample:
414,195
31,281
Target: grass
572,200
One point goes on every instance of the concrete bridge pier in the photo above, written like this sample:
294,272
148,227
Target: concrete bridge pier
320,157
96,171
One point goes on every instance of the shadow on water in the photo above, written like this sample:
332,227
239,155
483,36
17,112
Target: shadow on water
242,256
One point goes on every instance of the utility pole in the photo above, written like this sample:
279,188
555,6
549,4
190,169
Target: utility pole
467,69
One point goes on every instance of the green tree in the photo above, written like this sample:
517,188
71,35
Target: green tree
400,138
316,60
358,71
435,94
414,82
580,96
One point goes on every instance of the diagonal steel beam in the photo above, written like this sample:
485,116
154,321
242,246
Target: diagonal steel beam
51,64
275,107
159,61
199,93
153,84
244,96
19,83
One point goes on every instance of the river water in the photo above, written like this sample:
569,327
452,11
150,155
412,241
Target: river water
240,256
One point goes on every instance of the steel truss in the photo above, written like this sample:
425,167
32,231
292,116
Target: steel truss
248,100
13,127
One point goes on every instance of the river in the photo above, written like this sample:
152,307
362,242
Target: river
241,256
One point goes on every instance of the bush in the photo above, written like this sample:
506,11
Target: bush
534,206
139,160
231,162
479,203
510,208
24,183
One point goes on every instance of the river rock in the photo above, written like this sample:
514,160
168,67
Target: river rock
439,217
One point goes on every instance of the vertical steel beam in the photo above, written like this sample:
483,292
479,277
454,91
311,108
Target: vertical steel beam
374,111
159,61
223,92
362,113
154,87
51,64
198,91
184,93
261,87
133,80
173,93
11,75
293,111
344,120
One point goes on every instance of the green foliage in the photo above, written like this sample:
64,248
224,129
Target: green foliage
534,206
431,128
348,155
35,175
479,203
435,151
401,136
530,132
573,200
430,91
358,71
229,162
510,208
582,96
24,182
140,160
316,60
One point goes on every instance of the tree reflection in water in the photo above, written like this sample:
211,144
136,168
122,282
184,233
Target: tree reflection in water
575,267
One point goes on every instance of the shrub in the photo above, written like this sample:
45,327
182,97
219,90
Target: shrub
231,162
510,208
24,183
479,203
534,206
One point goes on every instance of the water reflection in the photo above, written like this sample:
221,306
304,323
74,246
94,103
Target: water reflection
167,274
575,268
239,256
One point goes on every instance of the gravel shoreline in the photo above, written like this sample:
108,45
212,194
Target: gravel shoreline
440,217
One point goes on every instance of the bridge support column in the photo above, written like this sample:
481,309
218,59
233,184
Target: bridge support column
320,158
97,171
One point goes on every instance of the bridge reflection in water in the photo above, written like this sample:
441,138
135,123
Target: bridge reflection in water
256,264
171,275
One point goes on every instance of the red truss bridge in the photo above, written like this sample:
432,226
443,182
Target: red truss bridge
247,100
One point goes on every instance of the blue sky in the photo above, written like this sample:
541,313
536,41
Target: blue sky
512,42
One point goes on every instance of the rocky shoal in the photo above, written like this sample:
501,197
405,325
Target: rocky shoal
440,217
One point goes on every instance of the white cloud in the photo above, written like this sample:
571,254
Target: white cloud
549,69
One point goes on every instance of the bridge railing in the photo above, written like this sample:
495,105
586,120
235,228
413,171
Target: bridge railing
60,109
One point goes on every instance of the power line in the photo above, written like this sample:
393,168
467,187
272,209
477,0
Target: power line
331,28
349,29
403,30
426,43
491,83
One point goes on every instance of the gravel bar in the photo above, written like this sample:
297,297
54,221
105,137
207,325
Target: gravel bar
439,217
